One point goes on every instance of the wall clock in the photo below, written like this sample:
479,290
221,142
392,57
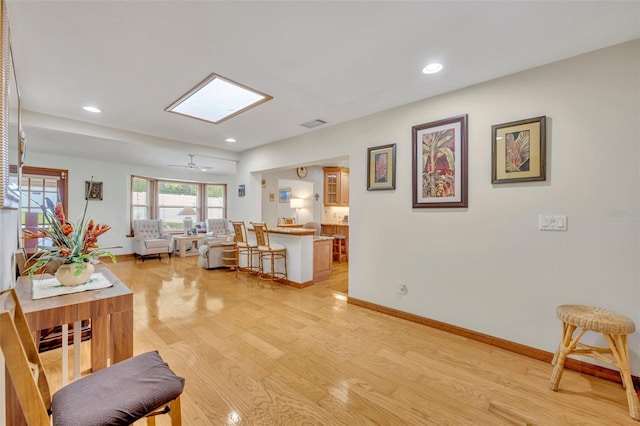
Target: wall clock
301,172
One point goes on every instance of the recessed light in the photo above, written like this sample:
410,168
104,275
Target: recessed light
432,68
91,109
230,140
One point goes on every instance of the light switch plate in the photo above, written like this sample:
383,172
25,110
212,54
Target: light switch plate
552,222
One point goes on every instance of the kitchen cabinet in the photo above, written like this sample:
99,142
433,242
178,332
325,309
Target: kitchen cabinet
336,186
322,258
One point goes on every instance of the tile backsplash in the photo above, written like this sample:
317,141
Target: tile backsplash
331,214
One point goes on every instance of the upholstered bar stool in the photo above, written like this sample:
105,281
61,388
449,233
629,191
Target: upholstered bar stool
245,248
613,326
271,253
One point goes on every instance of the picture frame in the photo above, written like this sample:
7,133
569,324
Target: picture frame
92,190
440,163
241,190
518,151
381,166
272,197
284,195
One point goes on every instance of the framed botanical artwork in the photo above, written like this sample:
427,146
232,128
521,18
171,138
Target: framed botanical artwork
381,166
284,195
440,163
92,190
518,151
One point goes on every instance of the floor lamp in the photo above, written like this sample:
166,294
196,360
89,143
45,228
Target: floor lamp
188,222
296,203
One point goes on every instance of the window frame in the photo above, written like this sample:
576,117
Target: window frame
154,207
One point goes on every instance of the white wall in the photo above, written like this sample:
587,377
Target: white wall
113,210
487,267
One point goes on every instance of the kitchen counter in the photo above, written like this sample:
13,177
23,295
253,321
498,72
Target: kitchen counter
299,244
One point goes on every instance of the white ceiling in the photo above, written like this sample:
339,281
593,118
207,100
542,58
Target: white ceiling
331,60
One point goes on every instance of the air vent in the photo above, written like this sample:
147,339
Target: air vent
314,123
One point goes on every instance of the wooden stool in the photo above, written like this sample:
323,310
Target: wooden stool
340,247
269,253
614,327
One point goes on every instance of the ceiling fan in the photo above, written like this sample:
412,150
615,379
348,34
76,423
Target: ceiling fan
192,165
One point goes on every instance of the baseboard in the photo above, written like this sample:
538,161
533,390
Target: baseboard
539,354
296,284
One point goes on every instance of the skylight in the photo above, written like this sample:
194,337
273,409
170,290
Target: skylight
216,99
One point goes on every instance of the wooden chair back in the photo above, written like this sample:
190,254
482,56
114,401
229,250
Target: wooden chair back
262,233
241,232
22,361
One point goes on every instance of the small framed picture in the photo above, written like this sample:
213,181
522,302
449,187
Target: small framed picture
241,190
272,197
381,166
92,190
518,151
284,195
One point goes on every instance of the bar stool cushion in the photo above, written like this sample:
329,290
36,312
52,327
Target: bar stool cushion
596,319
272,247
118,395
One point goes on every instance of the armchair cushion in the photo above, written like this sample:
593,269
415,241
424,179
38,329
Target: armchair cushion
216,227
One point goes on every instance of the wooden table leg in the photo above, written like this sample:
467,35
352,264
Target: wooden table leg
99,342
121,332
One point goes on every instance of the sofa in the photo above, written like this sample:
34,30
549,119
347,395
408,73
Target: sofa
218,238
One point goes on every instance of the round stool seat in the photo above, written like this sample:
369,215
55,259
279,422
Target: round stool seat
596,319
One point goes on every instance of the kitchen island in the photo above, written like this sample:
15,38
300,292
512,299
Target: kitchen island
300,253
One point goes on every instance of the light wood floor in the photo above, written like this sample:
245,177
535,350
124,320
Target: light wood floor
284,356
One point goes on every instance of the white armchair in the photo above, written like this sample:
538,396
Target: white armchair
150,240
217,239
217,228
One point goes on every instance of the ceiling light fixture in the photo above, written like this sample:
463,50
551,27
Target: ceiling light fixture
230,140
432,68
91,109
216,99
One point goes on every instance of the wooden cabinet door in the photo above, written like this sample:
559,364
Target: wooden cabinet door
344,188
331,188
336,186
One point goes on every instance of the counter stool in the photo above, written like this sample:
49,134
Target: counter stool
244,248
614,327
340,248
271,253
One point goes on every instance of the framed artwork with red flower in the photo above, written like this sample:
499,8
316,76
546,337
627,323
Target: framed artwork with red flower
518,151
440,163
381,164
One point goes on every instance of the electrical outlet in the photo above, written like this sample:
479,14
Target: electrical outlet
402,288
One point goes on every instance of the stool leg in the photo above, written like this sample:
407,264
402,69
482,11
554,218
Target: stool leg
176,412
620,351
564,348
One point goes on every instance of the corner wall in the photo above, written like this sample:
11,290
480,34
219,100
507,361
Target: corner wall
487,267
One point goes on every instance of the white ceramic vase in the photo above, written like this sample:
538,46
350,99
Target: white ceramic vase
66,274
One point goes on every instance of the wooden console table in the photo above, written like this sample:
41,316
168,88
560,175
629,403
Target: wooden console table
110,311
